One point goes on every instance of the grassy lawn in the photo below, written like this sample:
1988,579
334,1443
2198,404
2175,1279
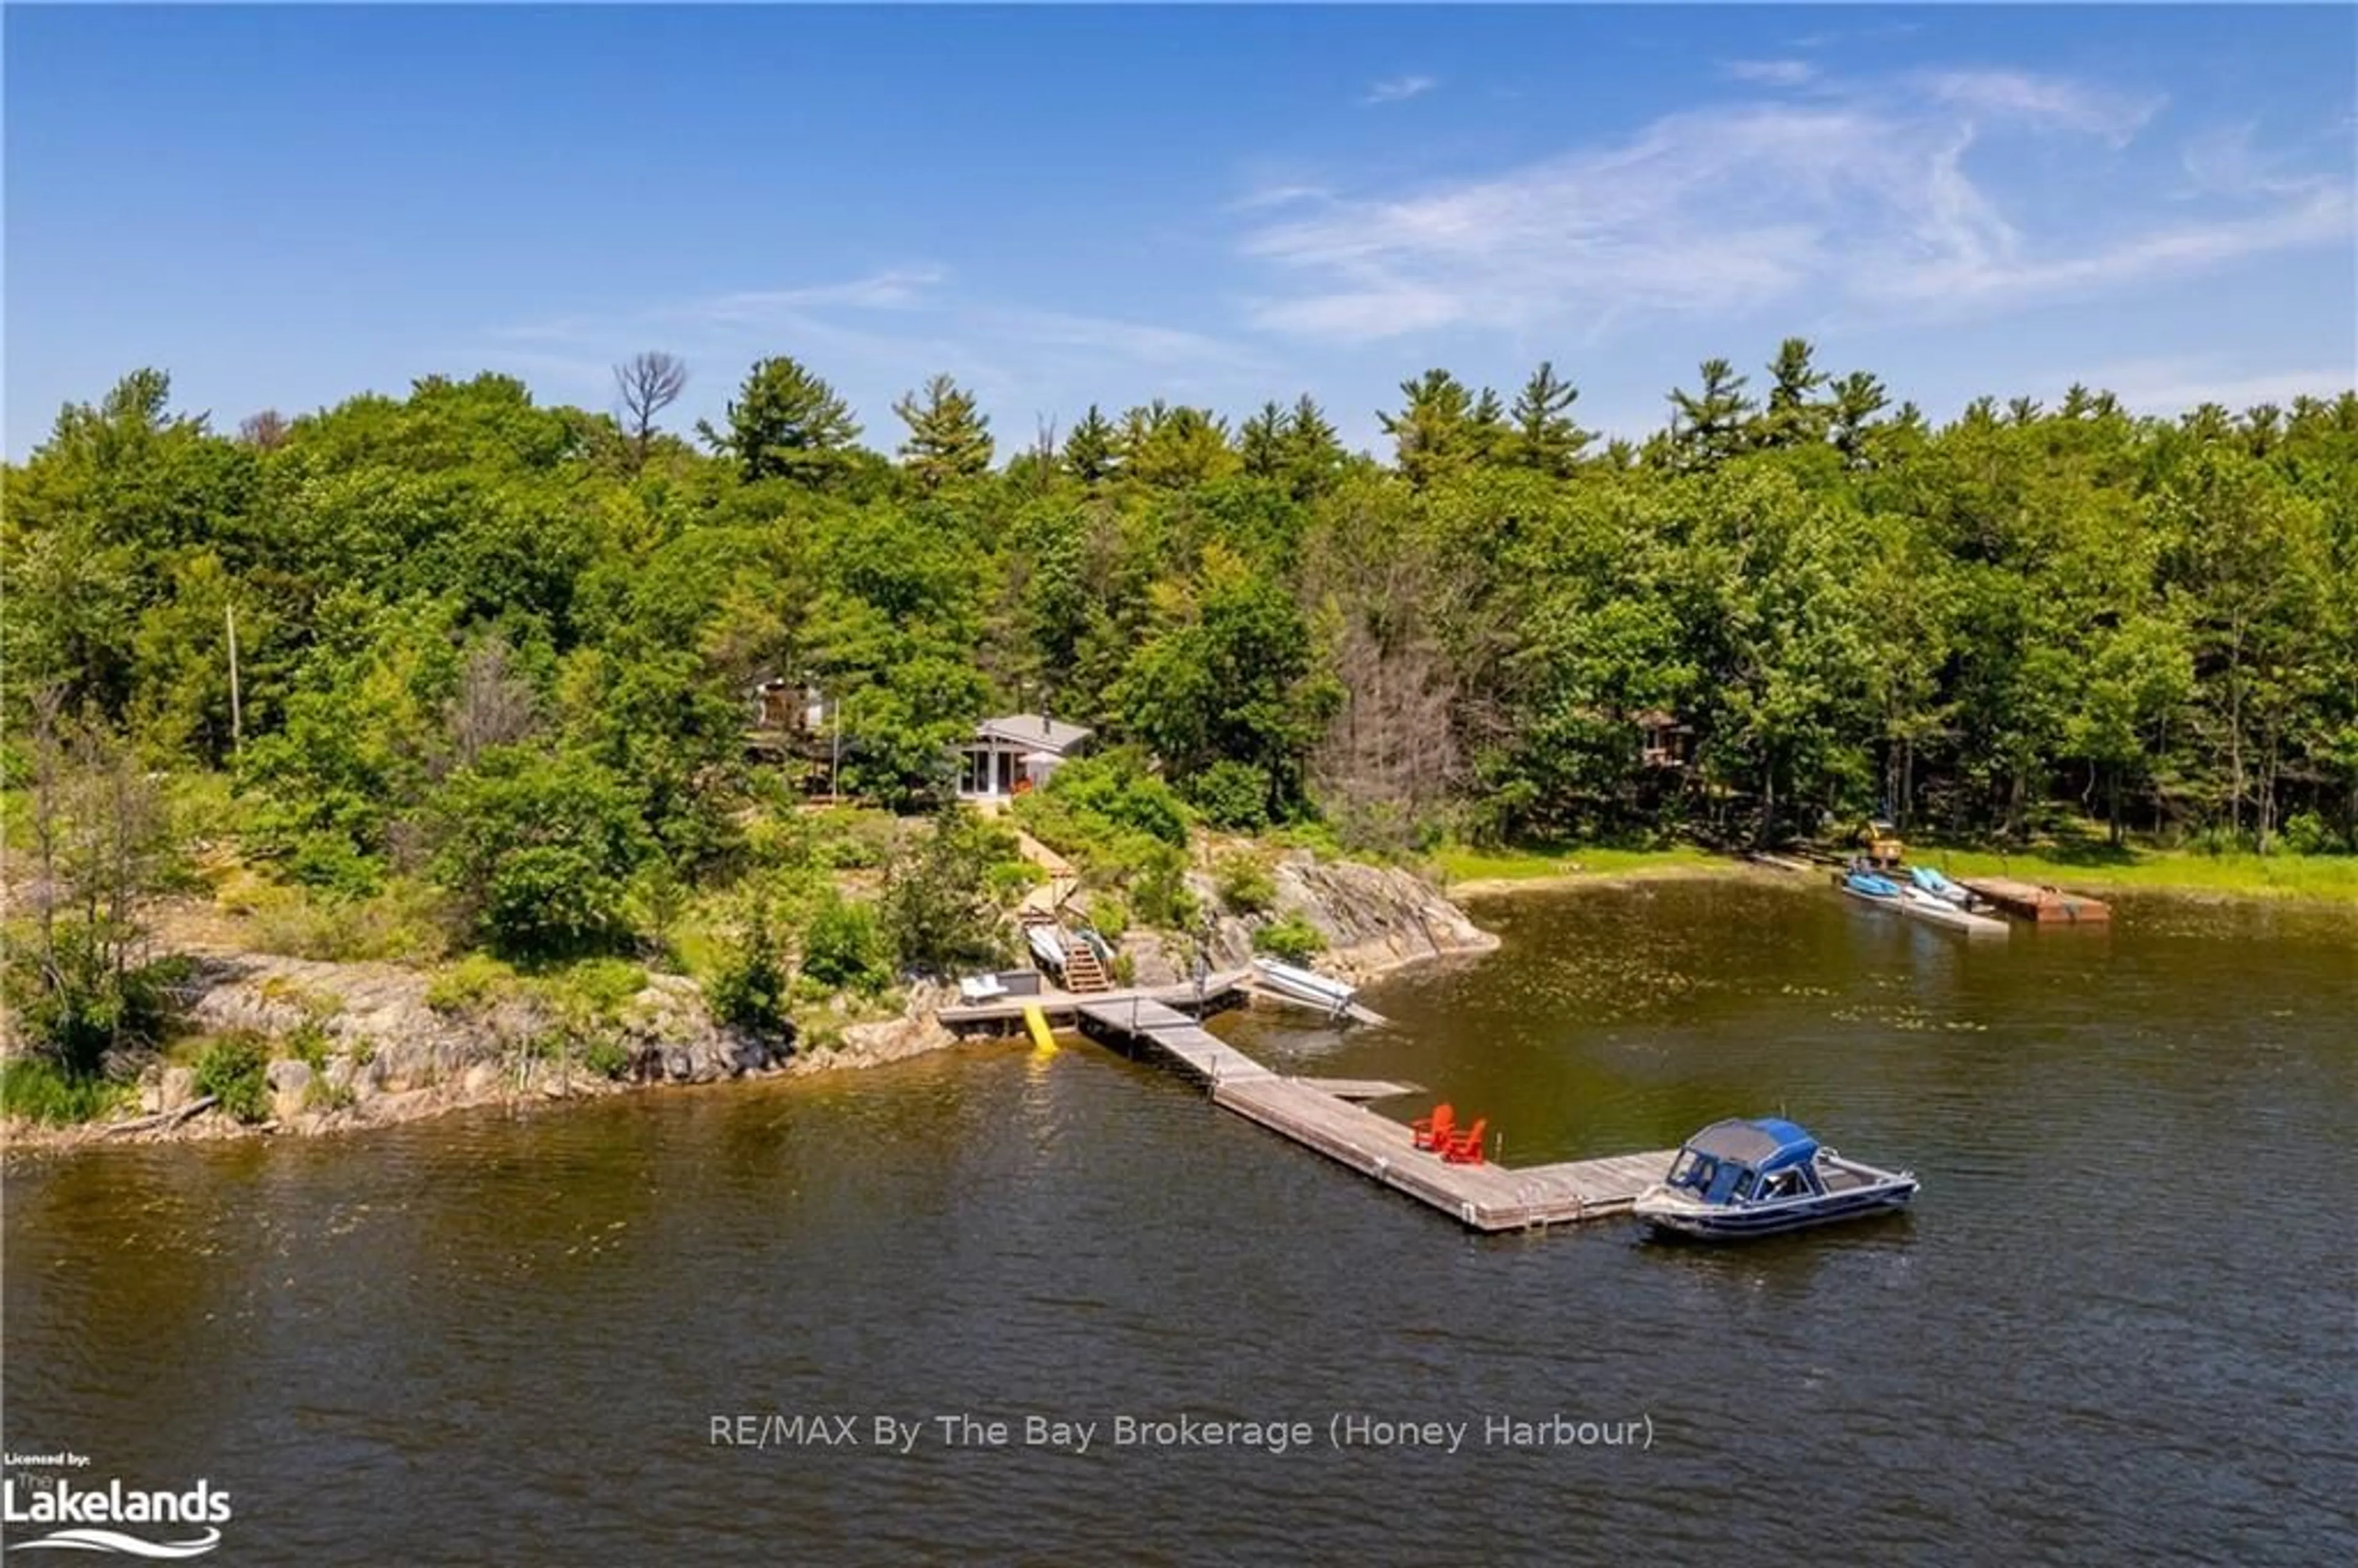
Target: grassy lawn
2330,877
1462,863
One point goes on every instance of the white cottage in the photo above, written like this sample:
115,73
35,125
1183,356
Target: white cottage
1007,756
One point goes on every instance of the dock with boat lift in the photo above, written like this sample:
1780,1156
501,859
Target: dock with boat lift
1485,1196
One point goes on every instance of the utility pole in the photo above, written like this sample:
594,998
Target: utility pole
236,707
835,759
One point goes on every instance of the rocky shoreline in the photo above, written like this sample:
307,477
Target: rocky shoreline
360,1045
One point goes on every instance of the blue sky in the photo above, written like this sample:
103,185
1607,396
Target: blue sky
283,206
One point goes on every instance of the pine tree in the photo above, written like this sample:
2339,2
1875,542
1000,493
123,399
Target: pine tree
1314,453
1089,454
1260,442
785,422
1489,431
1795,418
1858,397
1175,447
949,437
1435,434
1707,427
1546,437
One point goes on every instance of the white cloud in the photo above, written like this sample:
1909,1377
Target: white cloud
1399,89
1863,196
1139,341
2320,217
1770,73
2059,102
2170,386
2226,161
896,289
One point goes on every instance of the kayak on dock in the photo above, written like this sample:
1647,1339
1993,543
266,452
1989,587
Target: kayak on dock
1738,1179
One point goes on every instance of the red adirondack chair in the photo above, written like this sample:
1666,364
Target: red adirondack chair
1433,1132
1465,1148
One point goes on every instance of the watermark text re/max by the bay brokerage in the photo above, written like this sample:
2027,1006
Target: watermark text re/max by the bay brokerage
55,1501
776,1431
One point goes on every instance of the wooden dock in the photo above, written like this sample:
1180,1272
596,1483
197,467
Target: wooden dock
2042,905
1005,1013
1485,1197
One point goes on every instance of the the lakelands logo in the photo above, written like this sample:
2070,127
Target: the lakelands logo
78,1517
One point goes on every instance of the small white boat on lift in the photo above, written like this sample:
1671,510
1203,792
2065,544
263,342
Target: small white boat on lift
1305,985
1936,910
1048,945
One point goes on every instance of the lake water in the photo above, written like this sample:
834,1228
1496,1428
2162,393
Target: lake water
2118,1326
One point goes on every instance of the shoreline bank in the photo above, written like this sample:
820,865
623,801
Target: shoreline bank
350,1047
2330,879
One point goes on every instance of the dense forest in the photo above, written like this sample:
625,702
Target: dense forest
459,640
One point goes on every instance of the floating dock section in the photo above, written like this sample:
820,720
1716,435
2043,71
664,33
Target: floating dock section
2042,905
1485,1197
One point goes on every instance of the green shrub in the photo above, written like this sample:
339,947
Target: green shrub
39,1091
307,1043
939,910
1091,804
843,946
541,851
76,1009
1292,940
846,839
787,841
1246,883
231,1067
1231,795
403,922
473,984
605,1056
1007,880
1158,891
329,862
2306,833
1110,915
595,988
747,987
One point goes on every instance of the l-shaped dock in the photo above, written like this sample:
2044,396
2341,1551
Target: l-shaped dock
1485,1197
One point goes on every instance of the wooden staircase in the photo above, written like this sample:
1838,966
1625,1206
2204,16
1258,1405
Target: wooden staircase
1084,972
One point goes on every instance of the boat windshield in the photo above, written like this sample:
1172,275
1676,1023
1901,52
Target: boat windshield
1692,1170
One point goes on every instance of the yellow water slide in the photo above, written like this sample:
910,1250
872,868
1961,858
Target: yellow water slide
1037,1022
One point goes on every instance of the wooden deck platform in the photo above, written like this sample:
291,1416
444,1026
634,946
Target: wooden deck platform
1484,1198
1361,1088
1220,990
2042,905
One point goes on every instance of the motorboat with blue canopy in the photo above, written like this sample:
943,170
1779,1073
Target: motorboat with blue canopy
1761,1176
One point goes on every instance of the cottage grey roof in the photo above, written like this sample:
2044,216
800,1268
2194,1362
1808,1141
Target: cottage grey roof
1034,731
